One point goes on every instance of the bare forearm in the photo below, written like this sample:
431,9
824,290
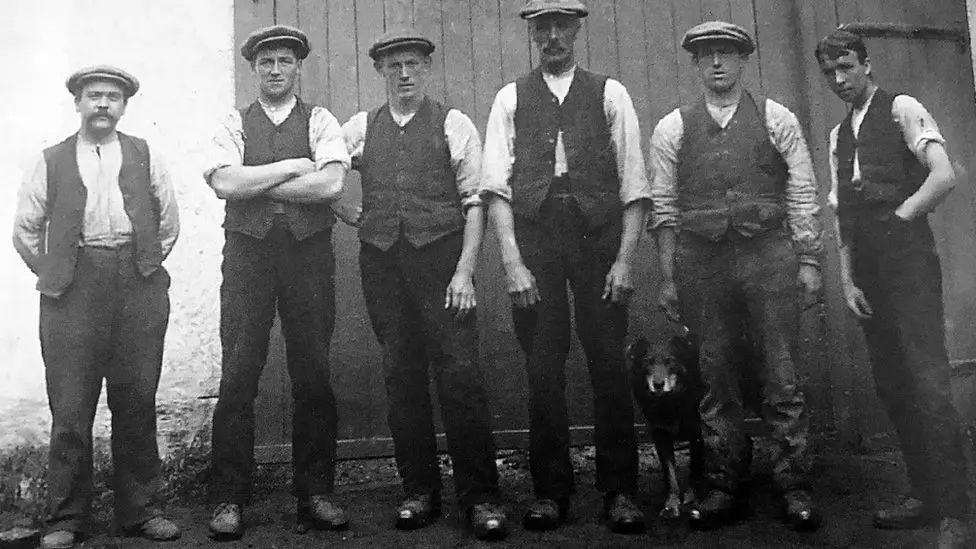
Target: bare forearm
325,185
933,191
474,230
500,212
244,182
665,238
633,226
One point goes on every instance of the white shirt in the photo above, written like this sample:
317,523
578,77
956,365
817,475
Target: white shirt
624,135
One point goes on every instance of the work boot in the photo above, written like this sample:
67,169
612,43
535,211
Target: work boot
953,534
156,529
487,520
622,514
321,513
226,523
800,512
715,510
58,539
545,514
418,510
908,514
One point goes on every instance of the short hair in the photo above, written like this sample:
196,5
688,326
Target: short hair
838,42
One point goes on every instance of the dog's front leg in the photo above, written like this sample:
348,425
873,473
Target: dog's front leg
664,445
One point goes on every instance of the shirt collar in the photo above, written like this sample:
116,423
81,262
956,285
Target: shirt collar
286,107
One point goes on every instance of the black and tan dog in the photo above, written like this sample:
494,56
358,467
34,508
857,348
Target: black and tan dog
667,387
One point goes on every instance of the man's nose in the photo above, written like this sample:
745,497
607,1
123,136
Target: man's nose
404,72
716,59
553,33
102,102
839,77
275,68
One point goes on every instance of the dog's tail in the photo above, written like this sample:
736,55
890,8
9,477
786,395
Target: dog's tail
638,349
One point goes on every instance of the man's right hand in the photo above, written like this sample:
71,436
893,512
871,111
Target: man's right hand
668,300
300,166
521,286
856,302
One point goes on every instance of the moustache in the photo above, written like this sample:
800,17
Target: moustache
553,50
100,114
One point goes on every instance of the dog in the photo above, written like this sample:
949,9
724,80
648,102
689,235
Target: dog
667,388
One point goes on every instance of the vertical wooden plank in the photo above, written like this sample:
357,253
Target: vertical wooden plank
685,15
601,26
427,21
743,13
458,57
248,16
662,56
313,19
515,43
486,46
398,13
712,10
343,57
633,58
369,26
776,50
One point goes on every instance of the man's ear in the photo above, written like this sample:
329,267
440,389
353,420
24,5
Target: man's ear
867,65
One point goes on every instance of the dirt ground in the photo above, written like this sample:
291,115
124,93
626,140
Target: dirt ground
848,486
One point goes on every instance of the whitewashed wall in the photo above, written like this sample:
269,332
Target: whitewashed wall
182,53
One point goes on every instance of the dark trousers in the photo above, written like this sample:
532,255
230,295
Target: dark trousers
296,277
109,325
726,287
558,249
404,289
897,268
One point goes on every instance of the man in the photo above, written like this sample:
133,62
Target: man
735,219
421,229
565,177
278,163
889,170
94,221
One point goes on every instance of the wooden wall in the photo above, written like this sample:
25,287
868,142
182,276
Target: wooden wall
483,44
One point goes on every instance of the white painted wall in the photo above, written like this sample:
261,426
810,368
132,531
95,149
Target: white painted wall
182,53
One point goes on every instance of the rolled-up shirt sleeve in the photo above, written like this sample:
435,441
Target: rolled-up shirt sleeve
354,134
803,211
626,137
465,146
227,146
917,125
30,218
326,139
499,152
662,158
161,183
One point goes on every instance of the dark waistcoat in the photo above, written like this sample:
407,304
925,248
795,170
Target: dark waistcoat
409,186
590,157
265,143
732,177
66,197
890,172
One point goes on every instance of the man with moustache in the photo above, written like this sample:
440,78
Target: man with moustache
889,169
565,179
421,229
278,163
735,217
95,220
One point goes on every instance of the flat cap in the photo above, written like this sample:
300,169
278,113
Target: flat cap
400,38
276,35
535,8
79,78
718,30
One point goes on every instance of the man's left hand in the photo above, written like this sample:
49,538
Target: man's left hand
810,283
620,285
460,295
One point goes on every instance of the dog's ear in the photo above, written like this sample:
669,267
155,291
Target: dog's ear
638,349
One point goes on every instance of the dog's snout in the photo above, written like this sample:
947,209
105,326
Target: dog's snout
657,385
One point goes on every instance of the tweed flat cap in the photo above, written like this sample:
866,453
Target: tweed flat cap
718,30
400,38
279,35
79,78
535,8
